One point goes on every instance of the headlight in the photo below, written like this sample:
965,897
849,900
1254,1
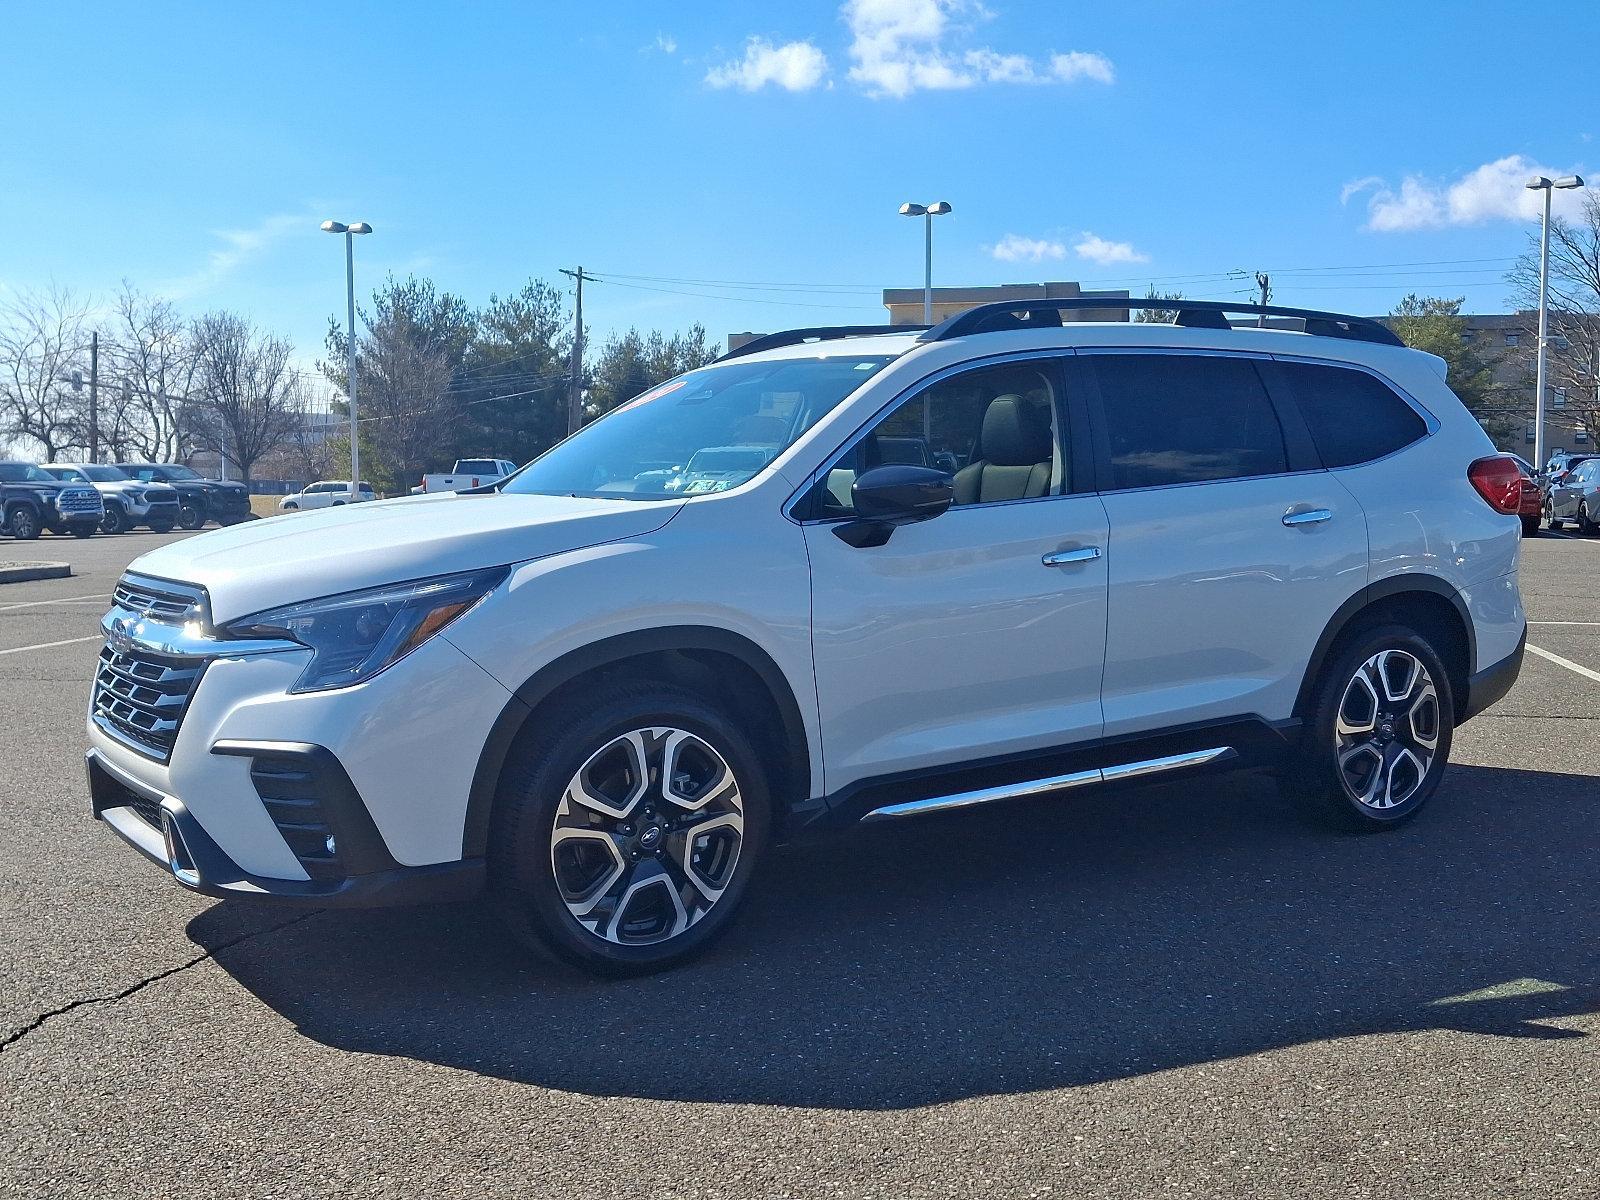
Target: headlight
355,635
135,497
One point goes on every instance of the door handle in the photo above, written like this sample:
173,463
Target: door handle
1067,558
1311,516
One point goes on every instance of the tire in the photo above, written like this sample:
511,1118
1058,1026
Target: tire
1585,525
115,520
83,530
581,883
191,517
24,524
1551,522
1340,762
1530,526
291,508
160,526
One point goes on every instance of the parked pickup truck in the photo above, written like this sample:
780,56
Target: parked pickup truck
199,499
129,502
468,473
32,500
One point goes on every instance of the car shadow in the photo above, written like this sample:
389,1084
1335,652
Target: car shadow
1035,945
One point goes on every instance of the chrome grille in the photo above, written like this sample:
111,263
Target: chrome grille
77,500
157,600
141,698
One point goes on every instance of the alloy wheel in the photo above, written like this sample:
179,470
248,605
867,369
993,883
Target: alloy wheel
1387,730
647,836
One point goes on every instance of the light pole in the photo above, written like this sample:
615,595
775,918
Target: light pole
350,232
928,212
1540,183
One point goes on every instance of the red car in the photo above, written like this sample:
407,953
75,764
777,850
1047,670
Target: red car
1529,508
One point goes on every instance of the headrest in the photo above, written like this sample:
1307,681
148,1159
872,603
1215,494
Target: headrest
1015,433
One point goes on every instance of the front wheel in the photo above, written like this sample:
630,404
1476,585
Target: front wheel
1380,731
624,841
24,524
160,526
83,530
1551,521
190,517
115,520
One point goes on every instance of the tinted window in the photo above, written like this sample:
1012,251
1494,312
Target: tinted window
1174,418
1353,417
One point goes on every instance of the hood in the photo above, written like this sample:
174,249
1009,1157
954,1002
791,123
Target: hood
134,485
282,560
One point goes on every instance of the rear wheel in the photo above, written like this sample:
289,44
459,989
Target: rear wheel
83,529
1380,731
1585,524
1530,525
160,526
115,520
624,841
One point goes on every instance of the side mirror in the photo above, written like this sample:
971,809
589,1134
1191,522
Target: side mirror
893,495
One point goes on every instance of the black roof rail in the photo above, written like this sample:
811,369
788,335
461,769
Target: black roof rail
1192,314
815,333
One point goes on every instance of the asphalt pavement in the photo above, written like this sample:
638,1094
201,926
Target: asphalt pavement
1188,990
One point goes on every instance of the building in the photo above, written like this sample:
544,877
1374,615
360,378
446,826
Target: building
1509,342
905,304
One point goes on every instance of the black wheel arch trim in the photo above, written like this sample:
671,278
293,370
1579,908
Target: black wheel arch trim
1366,597
586,659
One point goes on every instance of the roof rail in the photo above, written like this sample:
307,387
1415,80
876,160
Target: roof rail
1192,314
816,333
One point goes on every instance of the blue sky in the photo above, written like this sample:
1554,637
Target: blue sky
193,149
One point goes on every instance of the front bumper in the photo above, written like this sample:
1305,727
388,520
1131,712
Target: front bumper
316,809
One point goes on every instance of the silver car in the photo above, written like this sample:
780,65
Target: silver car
1575,496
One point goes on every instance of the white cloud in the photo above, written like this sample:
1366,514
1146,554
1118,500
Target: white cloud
1016,248
794,66
903,46
1105,253
1082,64
666,43
239,247
1494,191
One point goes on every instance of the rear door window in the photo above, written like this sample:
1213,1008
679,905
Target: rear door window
1353,417
1186,418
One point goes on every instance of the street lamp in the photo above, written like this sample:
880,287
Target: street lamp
1540,183
350,232
928,212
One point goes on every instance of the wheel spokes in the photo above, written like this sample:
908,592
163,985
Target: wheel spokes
1387,730
1358,712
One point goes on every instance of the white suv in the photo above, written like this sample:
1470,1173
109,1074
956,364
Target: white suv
601,689
325,493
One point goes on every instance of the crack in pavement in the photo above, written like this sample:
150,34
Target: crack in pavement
18,1034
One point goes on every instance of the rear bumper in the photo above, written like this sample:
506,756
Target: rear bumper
1487,686
316,801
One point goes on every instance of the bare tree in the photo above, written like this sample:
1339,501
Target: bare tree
246,397
151,358
1573,358
43,342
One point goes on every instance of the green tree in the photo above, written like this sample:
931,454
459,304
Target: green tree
1435,324
1156,316
515,383
629,364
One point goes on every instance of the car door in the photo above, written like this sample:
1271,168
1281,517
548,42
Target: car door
957,639
1564,494
1230,547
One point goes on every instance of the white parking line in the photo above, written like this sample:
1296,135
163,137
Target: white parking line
1565,662
61,600
1564,622
95,637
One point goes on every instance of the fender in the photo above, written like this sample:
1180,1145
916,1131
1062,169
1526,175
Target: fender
1382,589
562,671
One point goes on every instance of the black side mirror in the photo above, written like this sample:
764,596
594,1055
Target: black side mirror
893,495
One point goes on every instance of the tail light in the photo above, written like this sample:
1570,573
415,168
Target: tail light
1499,482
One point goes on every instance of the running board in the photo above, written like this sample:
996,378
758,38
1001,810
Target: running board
1054,783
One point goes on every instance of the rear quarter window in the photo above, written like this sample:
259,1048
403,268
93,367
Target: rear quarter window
1353,417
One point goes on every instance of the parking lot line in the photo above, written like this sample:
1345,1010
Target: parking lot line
60,600
1565,662
95,637
1564,622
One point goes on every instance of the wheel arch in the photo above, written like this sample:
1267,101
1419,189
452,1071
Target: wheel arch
1426,602
697,655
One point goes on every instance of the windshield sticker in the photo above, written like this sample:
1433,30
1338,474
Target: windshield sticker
653,394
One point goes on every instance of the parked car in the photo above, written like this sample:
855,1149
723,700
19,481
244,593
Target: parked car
1171,549
129,503
199,499
467,473
326,493
1575,496
34,500
1530,508
1558,466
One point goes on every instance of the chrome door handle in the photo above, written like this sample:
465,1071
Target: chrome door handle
1067,558
1311,516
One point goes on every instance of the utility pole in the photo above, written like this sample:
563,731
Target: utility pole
1264,282
575,379
94,396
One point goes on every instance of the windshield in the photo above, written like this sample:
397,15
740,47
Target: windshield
706,431
103,474
24,473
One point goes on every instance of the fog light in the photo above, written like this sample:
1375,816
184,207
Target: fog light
330,845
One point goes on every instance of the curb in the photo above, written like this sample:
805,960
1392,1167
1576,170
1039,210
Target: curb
24,572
